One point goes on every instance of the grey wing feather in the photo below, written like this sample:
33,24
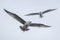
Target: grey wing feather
32,14
38,25
48,10
15,16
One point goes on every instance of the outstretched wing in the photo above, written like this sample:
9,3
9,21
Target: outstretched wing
38,25
48,11
15,16
32,14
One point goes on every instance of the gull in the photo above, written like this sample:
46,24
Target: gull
25,23
41,13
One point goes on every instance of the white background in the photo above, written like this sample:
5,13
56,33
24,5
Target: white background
9,27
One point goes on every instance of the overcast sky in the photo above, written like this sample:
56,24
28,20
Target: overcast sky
9,27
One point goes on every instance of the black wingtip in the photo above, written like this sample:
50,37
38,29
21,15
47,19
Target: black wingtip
8,12
5,10
26,15
55,9
48,26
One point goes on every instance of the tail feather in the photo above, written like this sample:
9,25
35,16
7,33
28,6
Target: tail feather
27,29
41,15
23,29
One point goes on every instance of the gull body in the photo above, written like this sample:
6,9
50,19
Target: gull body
40,13
25,23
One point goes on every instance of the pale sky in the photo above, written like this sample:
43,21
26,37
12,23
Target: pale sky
9,27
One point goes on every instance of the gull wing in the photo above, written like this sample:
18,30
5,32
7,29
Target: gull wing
48,11
38,25
15,16
32,14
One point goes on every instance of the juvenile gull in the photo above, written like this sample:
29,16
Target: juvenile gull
25,23
41,13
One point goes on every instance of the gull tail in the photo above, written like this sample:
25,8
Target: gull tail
41,15
23,29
